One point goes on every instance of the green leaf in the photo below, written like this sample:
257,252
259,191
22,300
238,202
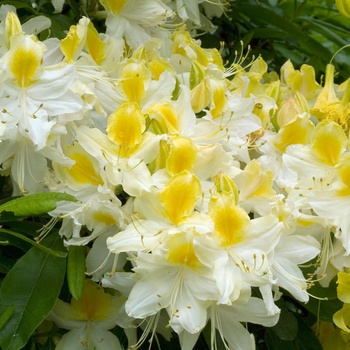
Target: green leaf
305,339
266,16
287,326
6,315
5,264
32,285
35,204
76,270
19,4
321,27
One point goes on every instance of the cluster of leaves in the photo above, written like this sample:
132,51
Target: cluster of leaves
31,273
304,31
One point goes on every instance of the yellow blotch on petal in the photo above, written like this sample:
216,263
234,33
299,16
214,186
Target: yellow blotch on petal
181,251
125,127
182,156
104,218
135,77
114,6
230,221
94,304
298,131
180,196
328,142
157,67
24,60
94,45
83,172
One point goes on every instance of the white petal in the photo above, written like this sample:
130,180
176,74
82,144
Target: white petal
298,249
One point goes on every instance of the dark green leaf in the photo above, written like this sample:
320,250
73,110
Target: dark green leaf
35,204
42,247
32,285
5,264
287,326
19,4
6,239
76,270
6,315
305,339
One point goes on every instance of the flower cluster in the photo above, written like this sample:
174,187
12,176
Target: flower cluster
201,188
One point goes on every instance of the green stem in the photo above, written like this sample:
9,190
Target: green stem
56,253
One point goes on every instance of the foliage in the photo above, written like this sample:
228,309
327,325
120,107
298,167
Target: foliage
306,32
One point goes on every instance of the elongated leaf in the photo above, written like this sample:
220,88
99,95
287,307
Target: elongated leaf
271,18
32,286
321,27
35,204
76,270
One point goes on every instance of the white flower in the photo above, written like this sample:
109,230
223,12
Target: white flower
89,318
135,20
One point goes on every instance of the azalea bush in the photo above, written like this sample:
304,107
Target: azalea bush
157,192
